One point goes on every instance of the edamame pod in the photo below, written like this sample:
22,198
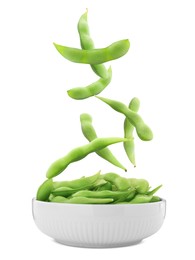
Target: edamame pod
106,186
64,191
82,200
152,192
140,198
115,179
87,44
99,183
128,132
59,199
115,195
155,199
51,196
141,185
79,153
44,190
95,56
89,132
91,90
82,183
143,131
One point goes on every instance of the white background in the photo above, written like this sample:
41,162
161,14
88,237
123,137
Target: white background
39,123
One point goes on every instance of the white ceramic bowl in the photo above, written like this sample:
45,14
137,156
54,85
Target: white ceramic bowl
86,225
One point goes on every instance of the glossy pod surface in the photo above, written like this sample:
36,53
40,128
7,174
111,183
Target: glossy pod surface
79,153
128,132
90,133
88,44
143,131
91,90
95,56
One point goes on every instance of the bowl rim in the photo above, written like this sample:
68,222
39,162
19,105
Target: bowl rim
34,200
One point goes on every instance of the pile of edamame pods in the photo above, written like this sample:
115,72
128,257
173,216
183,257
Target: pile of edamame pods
109,187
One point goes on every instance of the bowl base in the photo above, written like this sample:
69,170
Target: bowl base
83,245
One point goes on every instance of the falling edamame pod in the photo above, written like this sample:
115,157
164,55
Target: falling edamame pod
91,90
89,132
95,56
143,131
128,132
79,153
87,44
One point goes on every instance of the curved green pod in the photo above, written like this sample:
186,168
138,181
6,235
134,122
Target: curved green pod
91,90
143,131
45,190
120,182
106,186
81,183
152,192
115,195
59,199
89,132
155,199
88,44
128,132
141,198
65,191
79,153
95,56
82,200
141,185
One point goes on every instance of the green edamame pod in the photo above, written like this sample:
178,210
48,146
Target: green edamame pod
79,153
128,132
141,185
89,132
91,90
154,190
155,199
83,200
82,183
59,199
99,183
131,195
45,190
106,186
140,198
87,44
120,182
143,131
95,56
64,191
51,196
115,195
